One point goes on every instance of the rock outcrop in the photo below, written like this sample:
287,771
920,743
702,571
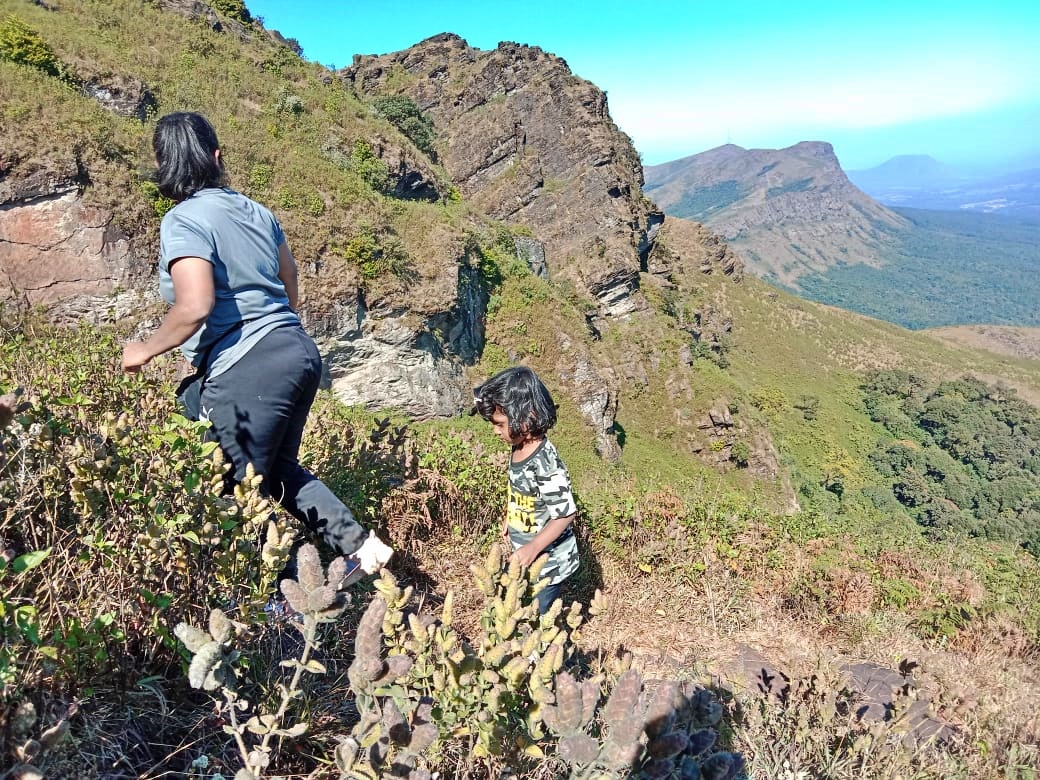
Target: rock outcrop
683,248
595,395
122,95
56,251
387,363
531,144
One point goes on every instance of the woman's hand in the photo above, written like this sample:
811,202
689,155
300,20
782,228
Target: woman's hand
193,301
135,355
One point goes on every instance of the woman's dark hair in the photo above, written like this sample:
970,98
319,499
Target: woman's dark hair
184,145
523,399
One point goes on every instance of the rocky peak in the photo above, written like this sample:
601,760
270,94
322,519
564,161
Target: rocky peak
530,143
789,211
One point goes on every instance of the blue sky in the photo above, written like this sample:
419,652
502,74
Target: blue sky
957,80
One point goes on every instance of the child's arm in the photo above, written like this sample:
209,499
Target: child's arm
528,553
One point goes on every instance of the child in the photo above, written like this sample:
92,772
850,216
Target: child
541,507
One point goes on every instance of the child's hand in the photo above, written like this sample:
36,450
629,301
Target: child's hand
527,554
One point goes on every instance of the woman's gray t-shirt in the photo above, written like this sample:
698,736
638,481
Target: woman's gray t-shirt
240,238
540,491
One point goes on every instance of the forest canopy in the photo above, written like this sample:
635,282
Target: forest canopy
963,457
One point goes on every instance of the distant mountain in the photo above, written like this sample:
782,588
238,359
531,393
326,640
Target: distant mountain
800,223
906,172
790,212
919,181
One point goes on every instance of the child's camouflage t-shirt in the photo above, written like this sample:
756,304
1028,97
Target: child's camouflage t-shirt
540,491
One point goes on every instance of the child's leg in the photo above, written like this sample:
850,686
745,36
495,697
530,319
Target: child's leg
546,596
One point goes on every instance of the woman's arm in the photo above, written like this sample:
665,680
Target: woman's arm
288,274
193,301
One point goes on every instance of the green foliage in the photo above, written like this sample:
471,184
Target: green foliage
289,103
316,598
360,469
68,465
969,463
160,203
260,176
402,113
741,453
19,624
234,9
946,621
899,593
375,255
21,44
488,686
315,204
505,686
373,171
987,266
809,406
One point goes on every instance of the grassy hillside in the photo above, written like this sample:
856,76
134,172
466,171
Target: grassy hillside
295,137
773,534
1023,343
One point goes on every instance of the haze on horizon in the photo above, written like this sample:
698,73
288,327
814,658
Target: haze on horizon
959,81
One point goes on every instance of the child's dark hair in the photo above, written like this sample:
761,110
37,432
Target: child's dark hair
521,396
185,144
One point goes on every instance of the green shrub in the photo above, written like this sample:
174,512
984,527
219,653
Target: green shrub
402,112
741,453
20,44
260,176
375,255
69,464
160,203
234,9
373,171
899,593
314,204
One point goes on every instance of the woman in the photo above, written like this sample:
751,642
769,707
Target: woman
226,269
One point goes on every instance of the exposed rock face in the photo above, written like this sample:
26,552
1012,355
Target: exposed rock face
122,95
683,246
532,144
788,211
193,9
597,398
411,176
878,687
405,347
872,691
384,363
54,249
